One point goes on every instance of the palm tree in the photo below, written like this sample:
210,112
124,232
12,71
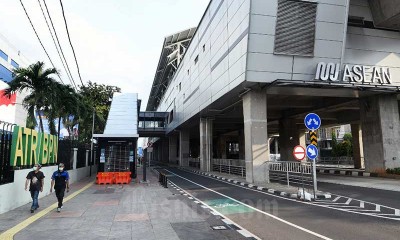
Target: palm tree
69,107
39,84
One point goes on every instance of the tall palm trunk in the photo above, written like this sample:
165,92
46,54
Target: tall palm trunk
40,120
59,126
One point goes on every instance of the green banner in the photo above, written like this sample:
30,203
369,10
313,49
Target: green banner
30,147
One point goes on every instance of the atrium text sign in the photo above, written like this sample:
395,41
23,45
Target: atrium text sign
353,74
30,147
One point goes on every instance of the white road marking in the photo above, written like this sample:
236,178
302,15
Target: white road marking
318,204
348,201
256,209
362,204
378,208
245,233
226,219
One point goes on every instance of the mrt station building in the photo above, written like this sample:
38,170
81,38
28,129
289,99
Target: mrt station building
253,69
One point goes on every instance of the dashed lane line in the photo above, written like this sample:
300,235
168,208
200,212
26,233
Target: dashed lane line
225,219
10,233
256,209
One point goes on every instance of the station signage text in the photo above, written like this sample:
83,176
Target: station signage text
353,74
30,147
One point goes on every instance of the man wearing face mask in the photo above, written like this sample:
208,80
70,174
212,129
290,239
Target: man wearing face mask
36,180
60,182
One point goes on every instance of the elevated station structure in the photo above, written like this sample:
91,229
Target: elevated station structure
253,69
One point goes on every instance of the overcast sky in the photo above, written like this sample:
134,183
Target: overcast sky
117,42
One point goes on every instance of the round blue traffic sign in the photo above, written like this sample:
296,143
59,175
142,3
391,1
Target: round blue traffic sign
312,152
312,121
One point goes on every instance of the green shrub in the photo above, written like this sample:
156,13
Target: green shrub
393,171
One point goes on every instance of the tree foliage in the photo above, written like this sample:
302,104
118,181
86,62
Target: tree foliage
343,148
96,97
54,100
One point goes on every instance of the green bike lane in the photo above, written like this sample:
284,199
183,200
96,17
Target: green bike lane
271,217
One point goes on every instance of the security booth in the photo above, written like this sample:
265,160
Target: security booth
117,155
116,149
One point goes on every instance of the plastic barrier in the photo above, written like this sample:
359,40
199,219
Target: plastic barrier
104,178
113,178
122,177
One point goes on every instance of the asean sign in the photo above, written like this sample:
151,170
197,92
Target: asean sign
354,74
29,147
299,153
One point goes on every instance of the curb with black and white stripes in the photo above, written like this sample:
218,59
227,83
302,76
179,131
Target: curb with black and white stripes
252,186
228,223
355,173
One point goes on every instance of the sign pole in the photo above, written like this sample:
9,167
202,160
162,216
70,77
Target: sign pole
302,181
315,179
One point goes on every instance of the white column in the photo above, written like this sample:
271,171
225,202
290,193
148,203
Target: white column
75,158
206,130
256,135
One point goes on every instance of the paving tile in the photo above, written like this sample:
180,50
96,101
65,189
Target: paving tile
106,203
131,217
65,214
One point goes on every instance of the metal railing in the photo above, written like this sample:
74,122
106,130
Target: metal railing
335,161
295,173
6,171
229,166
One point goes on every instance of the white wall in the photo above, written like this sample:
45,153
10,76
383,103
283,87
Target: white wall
13,195
221,67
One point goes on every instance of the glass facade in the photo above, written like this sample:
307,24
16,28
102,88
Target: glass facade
3,55
14,63
5,74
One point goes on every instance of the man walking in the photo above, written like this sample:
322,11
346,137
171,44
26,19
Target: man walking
60,181
35,179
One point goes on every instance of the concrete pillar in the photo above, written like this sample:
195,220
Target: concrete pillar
206,137
276,145
380,132
173,141
241,145
288,138
302,138
165,150
357,146
184,136
75,158
256,135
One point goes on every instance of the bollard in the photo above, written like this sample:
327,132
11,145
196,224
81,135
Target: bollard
165,182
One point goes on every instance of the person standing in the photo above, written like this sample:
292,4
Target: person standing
60,182
35,179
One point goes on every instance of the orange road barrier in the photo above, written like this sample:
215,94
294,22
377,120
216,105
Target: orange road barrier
113,178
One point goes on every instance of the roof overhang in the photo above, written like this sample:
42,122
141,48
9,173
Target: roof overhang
172,53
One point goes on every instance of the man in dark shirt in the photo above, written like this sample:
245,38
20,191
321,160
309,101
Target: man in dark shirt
60,181
36,180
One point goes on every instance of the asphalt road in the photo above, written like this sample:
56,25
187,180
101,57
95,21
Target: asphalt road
272,217
384,197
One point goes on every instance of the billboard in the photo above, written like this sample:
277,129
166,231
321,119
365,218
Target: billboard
29,147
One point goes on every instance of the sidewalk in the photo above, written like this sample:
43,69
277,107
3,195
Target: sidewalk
134,211
367,182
